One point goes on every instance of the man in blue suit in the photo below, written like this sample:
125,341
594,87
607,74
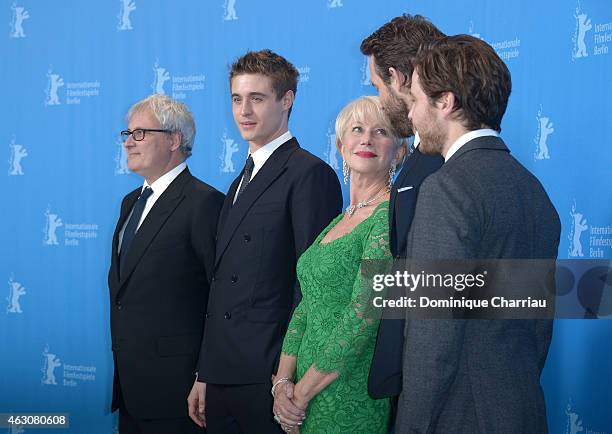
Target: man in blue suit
162,258
391,50
274,209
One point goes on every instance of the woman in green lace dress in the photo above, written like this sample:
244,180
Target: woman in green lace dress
329,344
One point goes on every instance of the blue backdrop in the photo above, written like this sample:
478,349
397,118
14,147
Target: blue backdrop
70,70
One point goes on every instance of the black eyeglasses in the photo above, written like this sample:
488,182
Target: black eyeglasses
139,133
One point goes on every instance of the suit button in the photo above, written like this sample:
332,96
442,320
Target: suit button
397,257
207,315
234,278
227,315
247,238
214,278
119,305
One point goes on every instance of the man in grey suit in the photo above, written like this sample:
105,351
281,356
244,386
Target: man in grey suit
473,376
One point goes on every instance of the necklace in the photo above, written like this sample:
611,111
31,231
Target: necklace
350,210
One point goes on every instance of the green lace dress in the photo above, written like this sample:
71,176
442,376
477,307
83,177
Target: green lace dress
331,327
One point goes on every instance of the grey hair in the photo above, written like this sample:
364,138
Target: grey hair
172,115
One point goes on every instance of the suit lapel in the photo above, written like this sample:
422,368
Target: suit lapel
272,169
227,203
400,182
163,208
126,207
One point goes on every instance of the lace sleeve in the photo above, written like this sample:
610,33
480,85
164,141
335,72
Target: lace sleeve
295,331
358,324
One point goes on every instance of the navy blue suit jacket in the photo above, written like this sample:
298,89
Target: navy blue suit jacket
386,371
259,240
157,305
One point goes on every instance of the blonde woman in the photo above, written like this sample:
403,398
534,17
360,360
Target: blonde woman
321,383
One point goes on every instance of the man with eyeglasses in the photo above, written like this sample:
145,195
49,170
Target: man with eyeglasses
162,257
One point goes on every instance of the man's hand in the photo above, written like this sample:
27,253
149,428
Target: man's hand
196,403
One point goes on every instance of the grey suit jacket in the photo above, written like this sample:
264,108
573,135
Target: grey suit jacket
478,376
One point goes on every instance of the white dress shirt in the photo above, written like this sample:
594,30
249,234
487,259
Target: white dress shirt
261,155
417,140
466,138
158,187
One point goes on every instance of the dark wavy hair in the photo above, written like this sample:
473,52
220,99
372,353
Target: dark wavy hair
472,71
397,43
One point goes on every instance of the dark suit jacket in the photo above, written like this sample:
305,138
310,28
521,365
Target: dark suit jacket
386,371
478,376
279,214
158,304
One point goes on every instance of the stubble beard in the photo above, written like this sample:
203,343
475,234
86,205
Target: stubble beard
433,135
397,112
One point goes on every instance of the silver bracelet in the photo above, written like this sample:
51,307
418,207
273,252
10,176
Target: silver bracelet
279,381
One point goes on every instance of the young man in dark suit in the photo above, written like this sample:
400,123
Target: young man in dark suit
391,50
273,211
162,260
480,375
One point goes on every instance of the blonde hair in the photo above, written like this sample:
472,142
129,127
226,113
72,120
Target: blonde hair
361,109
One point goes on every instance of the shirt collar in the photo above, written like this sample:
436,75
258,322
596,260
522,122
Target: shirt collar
161,183
261,155
466,138
417,140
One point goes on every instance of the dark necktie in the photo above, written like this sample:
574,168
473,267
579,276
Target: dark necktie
130,229
248,171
